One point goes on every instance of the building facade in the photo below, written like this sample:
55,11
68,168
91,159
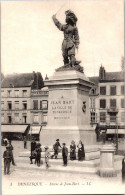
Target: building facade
16,102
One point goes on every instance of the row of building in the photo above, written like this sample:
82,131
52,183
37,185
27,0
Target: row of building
24,104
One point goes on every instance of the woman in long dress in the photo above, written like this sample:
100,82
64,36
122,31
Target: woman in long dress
81,151
72,151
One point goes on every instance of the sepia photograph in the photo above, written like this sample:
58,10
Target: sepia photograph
62,97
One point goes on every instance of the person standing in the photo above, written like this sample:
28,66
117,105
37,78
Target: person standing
7,155
33,152
81,151
72,151
56,149
64,154
25,142
47,156
38,154
11,150
123,169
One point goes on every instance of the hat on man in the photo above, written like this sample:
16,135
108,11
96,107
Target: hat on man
38,144
57,140
8,146
72,142
64,144
71,15
46,147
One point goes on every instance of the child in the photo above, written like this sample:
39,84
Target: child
47,156
38,154
7,155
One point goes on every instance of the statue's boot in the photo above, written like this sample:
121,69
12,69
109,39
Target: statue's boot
66,61
72,60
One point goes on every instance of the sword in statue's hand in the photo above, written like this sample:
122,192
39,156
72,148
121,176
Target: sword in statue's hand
60,8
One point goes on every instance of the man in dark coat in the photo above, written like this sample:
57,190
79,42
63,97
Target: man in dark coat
7,155
38,154
11,150
33,153
123,169
71,37
64,154
56,149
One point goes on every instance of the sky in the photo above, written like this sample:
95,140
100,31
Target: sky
31,42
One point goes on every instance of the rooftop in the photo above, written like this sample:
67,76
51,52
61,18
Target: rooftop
18,80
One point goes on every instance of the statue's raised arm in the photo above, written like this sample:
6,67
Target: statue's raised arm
71,37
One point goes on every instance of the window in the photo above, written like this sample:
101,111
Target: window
9,93
9,119
24,119
44,118
103,117
122,103
93,91
36,119
102,103
9,105
113,103
112,117
44,105
92,102
35,104
2,105
122,89
16,105
102,90
113,90
2,93
2,117
92,117
16,117
24,92
122,116
24,105
16,93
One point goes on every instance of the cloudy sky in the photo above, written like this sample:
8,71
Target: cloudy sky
31,42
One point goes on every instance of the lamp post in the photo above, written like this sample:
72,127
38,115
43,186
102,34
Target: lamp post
116,134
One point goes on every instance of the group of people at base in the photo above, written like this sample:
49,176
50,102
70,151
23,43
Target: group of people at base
80,146
36,152
8,157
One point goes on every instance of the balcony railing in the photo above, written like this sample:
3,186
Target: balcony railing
112,110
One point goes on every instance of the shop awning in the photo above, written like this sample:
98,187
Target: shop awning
114,131
35,130
13,128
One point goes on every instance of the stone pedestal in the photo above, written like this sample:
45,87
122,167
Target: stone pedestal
68,109
107,161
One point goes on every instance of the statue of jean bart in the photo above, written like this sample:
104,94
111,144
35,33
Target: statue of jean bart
71,38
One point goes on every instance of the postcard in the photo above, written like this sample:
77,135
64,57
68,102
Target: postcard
62,97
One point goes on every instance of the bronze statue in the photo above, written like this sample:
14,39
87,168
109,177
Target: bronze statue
71,38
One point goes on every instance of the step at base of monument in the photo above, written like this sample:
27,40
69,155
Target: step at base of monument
58,168
91,152
88,156
73,166
75,163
